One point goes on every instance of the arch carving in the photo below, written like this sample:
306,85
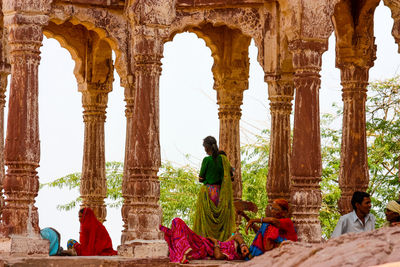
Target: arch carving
395,9
307,19
64,34
352,22
111,26
250,21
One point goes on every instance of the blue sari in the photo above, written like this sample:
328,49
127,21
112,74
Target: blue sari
54,237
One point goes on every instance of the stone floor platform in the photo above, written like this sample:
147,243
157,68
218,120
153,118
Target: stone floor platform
97,261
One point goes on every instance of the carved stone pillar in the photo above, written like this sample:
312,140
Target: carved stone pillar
141,188
93,180
19,223
5,70
305,163
354,174
280,90
127,189
230,98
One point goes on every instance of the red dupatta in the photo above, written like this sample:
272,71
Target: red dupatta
94,239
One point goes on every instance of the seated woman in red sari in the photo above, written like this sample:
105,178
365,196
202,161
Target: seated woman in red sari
185,245
94,239
275,228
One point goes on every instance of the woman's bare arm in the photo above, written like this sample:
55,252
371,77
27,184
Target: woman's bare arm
218,255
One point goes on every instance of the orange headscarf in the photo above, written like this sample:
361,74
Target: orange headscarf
282,203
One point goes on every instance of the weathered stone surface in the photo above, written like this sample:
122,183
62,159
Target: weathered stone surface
363,249
139,249
23,246
280,90
306,164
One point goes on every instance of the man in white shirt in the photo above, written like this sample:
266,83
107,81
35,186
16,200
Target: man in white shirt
359,220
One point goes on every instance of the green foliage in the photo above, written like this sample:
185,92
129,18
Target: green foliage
178,192
255,169
71,181
383,145
254,177
383,131
330,152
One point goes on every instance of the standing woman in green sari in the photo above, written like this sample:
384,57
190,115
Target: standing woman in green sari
215,213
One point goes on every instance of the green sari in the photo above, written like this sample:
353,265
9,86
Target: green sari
216,221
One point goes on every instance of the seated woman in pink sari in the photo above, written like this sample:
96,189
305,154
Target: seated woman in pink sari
185,245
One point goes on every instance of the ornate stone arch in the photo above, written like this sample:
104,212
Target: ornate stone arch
249,21
63,36
395,9
110,26
353,24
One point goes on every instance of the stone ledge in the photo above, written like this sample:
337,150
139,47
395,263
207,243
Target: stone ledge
141,249
24,246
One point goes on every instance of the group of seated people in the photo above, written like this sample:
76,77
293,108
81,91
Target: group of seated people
184,244
271,230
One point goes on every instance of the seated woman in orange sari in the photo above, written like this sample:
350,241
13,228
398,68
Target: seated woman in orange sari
275,228
185,245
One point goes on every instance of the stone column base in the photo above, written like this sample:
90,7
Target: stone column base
23,246
139,249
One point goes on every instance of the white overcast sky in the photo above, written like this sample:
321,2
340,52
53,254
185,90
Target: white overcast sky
188,112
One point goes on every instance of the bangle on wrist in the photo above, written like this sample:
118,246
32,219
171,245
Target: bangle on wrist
261,220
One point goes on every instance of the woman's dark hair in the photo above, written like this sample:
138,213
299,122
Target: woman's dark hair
210,143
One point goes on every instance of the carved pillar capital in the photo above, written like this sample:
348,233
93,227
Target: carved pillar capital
229,101
129,93
94,100
307,56
354,80
280,92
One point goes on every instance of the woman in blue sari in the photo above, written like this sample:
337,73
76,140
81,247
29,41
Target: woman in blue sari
54,237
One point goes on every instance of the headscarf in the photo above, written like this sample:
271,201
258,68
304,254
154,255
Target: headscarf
282,203
93,238
393,206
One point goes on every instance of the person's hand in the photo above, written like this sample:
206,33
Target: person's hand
212,239
249,224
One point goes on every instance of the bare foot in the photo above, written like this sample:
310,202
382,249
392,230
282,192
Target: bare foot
185,256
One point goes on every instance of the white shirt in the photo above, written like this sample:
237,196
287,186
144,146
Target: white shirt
350,223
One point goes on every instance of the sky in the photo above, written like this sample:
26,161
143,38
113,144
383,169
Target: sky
188,113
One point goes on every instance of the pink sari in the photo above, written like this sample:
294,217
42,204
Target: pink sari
181,239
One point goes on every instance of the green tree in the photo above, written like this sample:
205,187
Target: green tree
383,146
